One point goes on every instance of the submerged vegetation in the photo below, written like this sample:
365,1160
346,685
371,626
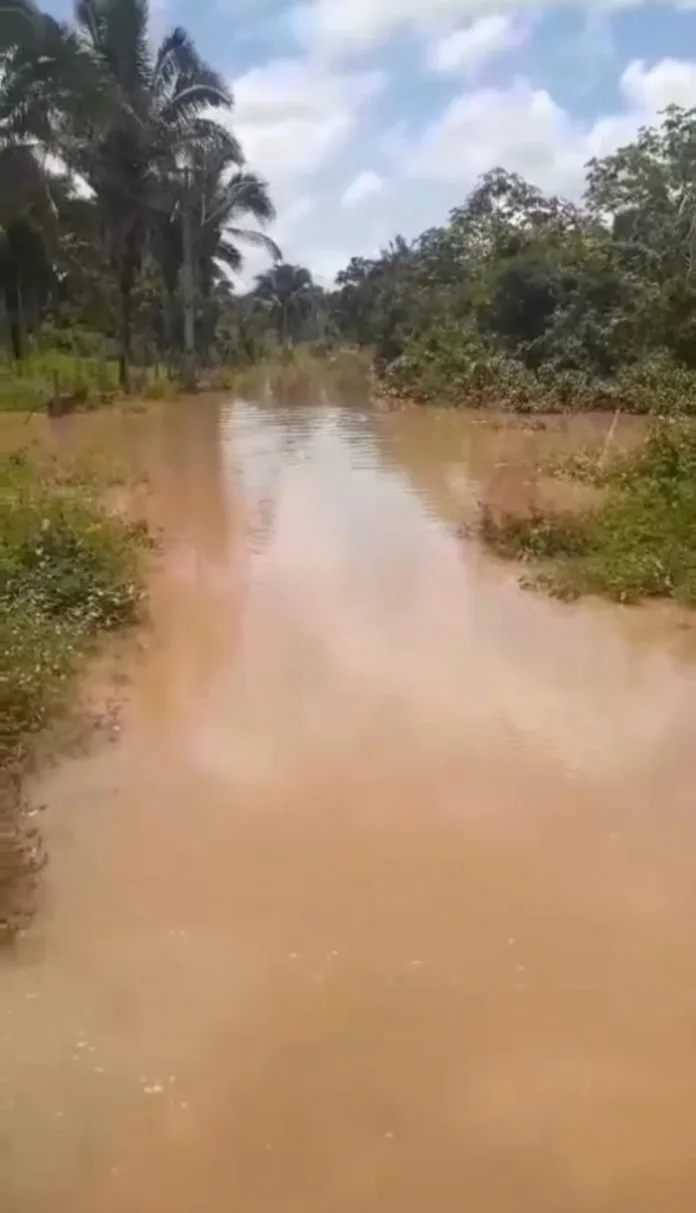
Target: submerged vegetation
639,541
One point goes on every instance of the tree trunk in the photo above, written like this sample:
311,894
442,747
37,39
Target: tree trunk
126,291
167,305
13,306
187,283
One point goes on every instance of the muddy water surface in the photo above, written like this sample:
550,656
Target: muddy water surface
384,899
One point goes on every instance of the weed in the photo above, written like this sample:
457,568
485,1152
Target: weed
453,365
640,542
297,373
67,573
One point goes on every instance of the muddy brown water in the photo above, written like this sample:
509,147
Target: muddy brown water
384,899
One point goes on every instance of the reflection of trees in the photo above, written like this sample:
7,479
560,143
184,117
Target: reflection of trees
442,456
192,481
266,441
199,602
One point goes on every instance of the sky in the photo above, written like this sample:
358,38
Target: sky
370,118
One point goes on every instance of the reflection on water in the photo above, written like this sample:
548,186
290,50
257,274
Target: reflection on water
384,899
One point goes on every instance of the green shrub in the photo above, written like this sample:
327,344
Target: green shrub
640,542
453,365
534,536
67,573
160,389
35,381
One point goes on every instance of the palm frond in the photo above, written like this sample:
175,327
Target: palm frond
189,101
183,86
89,19
213,147
229,254
167,65
118,32
244,194
256,239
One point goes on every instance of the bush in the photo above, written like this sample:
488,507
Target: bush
41,377
640,542
452,365
67,572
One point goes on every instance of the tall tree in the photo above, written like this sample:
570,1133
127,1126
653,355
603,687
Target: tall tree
220,194
148,109
288,295
648,188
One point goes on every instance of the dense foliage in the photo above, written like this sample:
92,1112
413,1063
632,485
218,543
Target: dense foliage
122,190
531,301
125,203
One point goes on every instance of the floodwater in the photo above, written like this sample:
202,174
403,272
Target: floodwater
383,897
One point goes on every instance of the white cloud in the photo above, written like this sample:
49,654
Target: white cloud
669,82
307,127
365,185
292,115
344,26
468,49
525,130
518,126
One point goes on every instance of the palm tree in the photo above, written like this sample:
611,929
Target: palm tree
215,194
33,200
26,277
145,110
36,53
288,294
224,192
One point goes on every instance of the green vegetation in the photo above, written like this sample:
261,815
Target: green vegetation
67,574
126,201
528,301
301,371
61,382
121,193
638,542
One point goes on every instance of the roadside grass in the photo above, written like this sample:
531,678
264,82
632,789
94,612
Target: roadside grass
638,542
54,377
57,381
68,573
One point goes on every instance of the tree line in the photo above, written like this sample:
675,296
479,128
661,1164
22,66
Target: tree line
124,193
526,297
126,204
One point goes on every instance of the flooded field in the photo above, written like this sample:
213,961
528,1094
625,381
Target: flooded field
383,897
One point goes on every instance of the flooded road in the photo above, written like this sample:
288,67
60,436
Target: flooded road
384,898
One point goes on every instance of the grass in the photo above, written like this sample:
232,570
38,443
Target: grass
68,573
638,542
297,372
83,381
79,381
39,377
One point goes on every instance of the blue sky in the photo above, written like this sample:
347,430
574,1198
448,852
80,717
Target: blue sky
372,117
